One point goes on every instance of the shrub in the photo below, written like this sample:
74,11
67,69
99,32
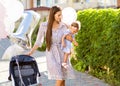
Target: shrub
99,44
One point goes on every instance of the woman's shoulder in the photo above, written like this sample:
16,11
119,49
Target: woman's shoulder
63,26
43,23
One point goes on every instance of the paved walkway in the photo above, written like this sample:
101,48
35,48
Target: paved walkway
82,79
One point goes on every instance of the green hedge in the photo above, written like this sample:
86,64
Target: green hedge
99,44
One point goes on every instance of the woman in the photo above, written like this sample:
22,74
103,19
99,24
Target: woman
53,30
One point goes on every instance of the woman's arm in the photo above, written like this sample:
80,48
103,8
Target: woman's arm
33,49
69,37
40,38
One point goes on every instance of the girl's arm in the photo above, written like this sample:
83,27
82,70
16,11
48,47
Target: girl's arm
69,37
74,42
63,41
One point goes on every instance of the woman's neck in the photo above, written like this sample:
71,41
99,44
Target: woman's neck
56,22
55,25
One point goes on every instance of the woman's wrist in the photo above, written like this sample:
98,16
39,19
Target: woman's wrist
30,53
32,50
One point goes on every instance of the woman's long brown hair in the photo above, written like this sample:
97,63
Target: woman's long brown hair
51,19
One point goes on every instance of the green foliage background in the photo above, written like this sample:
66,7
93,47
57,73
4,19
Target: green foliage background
99,44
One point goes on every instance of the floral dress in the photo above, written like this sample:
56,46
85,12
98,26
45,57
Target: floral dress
55,55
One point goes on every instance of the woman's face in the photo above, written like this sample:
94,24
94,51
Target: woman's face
58,16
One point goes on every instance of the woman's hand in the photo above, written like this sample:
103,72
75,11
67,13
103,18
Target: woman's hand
29,53
63,44
69,37
32,50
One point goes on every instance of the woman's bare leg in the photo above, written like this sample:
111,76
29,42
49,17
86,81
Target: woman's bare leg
63,83
60,83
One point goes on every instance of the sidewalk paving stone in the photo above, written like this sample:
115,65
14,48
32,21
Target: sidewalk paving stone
82,79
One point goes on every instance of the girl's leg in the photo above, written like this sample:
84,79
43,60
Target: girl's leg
65,57
64,63
60,83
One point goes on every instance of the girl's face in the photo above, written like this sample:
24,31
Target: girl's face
58,16
74,29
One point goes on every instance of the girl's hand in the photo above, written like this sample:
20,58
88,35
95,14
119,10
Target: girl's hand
75,43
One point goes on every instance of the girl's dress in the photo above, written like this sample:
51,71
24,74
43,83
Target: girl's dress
68,47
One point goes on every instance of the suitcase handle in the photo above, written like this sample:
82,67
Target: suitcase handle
22,83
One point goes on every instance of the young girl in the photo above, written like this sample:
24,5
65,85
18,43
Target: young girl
66,44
